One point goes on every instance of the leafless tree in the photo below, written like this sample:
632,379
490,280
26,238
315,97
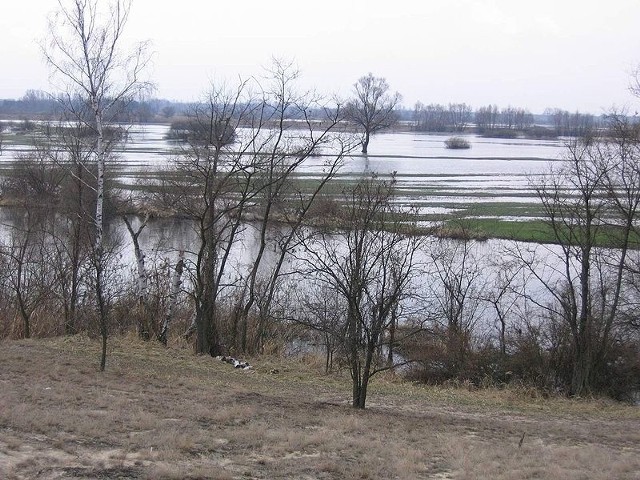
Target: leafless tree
373,107
455,297
72,231
572,124
573,205
96,76
142,276
43,187
279,196
431,118
618,159
442,118
28,270
175,285
504,294
371,263
214,188
321,310
487,118
634,85
236,176
590,204
459,116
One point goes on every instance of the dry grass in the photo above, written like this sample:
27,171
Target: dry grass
161,413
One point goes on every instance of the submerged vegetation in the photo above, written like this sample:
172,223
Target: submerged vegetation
457,143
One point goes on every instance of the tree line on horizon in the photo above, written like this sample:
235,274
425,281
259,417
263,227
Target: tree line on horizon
489,120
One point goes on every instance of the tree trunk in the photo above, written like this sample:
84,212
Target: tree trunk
102,312
580,379
359,400
99,239
207,342
392,337
365,142
176,281
142,284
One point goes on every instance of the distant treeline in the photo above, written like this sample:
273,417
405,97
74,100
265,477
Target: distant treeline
508,122
488,120
36,104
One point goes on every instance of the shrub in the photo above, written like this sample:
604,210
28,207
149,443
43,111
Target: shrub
457,143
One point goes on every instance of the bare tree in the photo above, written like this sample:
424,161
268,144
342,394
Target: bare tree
97,77
487,118
28,271
236,178
373,108
371,263
72,233
618,159
455,296
142,276
440,118
320,309
590,205
572,124
176,282
431,118
459,116
41,185
574,220
214,188
278,194
503,294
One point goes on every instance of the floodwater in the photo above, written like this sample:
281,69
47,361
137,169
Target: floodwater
405,153
492,171
437,180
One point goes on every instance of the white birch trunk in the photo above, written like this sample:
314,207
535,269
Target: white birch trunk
143,278
176,282
99,240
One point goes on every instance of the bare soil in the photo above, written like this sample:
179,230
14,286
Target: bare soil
164,413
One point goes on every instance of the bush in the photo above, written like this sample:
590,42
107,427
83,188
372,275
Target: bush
457,143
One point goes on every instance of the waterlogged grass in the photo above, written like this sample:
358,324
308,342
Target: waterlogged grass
540,231
526,231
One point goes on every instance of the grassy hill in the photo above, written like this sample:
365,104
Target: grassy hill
161,413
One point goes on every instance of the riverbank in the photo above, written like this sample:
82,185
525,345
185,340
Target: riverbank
165,413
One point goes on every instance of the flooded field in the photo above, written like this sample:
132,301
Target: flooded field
491,180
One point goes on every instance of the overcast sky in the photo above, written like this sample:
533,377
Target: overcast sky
572,54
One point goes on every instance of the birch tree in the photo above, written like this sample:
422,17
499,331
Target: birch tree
96,75
142,283
176,282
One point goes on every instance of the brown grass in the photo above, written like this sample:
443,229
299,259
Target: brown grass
161,413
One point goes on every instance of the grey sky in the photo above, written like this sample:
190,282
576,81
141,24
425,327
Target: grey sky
572,54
